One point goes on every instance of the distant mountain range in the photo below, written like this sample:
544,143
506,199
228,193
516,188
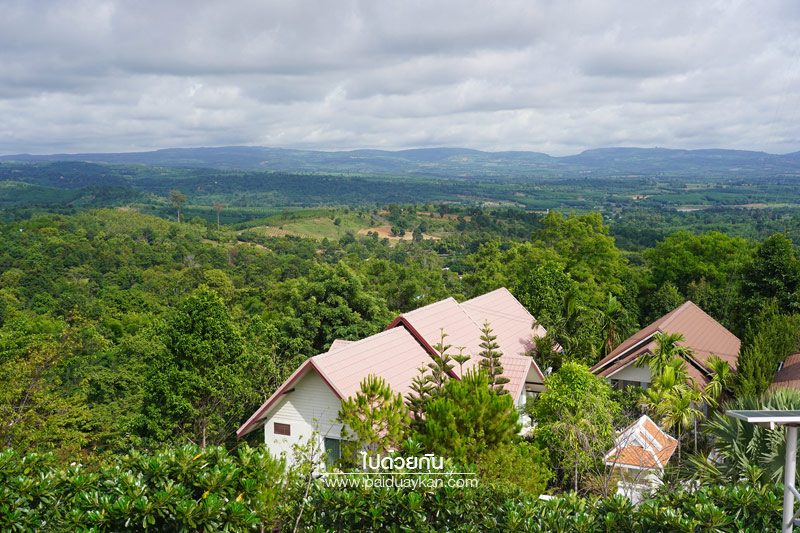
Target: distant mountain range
455,162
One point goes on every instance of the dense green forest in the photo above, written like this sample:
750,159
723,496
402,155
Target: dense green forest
161,308
93,302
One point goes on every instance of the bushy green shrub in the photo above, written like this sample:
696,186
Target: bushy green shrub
183,489
178,489
490,508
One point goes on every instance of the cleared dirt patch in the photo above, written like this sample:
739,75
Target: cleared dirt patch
385,232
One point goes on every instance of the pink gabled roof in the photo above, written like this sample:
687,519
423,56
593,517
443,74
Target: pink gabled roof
339,343
395,355
513,325
703,335
642,445
398,352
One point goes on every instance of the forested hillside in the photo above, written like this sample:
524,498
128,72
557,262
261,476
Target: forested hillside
96,307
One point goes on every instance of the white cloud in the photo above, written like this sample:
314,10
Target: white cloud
550,76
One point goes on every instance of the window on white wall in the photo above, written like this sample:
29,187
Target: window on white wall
333,451
282,429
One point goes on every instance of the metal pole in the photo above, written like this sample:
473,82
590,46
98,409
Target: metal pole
789,469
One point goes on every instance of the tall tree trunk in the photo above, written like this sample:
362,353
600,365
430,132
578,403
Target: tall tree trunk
576,477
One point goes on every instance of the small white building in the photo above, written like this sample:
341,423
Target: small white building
306,405
640,453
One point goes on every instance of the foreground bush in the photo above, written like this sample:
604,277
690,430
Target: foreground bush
487,508
179,489
248,490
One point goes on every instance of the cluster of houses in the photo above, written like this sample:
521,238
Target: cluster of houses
306,405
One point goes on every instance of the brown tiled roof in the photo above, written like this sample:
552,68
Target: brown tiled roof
788,377
642,445
703,335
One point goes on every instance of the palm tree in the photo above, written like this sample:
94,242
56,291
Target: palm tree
745,451
667,349
177,199
615,322
672,380
722,378
218,207
678,411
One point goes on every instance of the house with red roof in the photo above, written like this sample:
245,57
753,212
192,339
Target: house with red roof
788,374
703,335
640,453
307,403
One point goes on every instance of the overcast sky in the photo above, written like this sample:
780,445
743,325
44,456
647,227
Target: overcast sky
553,76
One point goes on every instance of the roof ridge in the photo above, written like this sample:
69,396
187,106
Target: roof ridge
501,314
352,344
499,289
669,317
430,305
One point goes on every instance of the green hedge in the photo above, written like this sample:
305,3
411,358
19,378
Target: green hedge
738,508
183,489
178,489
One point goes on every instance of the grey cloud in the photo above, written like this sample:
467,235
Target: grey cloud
108,75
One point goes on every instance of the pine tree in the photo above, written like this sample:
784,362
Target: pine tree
467,418
490,359
374,419
771,338
461,358
421,390
441,365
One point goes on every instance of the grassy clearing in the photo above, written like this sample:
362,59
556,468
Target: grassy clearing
314,224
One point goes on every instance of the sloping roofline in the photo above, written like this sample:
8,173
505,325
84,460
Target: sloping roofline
637,344
660,446
285,387
310,364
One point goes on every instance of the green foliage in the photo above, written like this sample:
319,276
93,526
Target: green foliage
490,361
521,465
571,277
574,417
467,418
177,489
616,324
331,303
441,366
700,266
769,339
667,349
746,452
661,302
493,508
374,420
196,387
773,273
421,389
585,243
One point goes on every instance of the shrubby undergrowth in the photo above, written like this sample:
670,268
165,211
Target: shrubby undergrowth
183,489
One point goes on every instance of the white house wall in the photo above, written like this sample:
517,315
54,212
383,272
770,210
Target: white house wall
632,373
310,407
